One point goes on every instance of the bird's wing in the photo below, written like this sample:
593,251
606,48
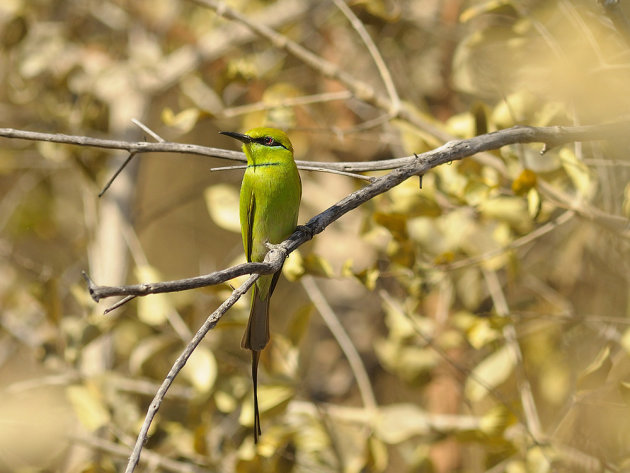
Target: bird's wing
251,212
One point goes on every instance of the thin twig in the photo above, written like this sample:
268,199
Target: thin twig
451,151
118,171
210,322
339,332
362,90
374,52
288,102
148,130
151,458
527,398
519,242
552,135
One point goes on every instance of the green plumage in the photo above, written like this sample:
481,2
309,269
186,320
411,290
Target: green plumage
269,205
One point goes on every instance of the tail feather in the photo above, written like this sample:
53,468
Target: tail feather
255,338
257,431
256,334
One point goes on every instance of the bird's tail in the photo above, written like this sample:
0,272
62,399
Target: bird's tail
257,430
256,334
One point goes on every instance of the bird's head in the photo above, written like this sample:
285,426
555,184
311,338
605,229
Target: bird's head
262,138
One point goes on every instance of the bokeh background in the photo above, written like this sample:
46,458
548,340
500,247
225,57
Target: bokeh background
479,323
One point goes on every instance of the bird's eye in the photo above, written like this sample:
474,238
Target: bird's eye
269,141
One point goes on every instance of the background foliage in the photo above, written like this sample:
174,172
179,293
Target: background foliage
489,309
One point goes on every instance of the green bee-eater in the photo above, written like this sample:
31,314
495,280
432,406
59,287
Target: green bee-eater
269,205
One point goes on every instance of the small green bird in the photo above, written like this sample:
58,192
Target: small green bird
270,200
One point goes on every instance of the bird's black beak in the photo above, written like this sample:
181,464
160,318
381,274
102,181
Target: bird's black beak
237,136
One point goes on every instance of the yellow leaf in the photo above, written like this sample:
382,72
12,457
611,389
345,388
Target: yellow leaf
201,369
534,203
579,173
183,121
395,223
494,422
378,457
222,201
490,7
512,210
89,407
298,326
146,350
317,266
596,372
525,181
154,308
481,332
269,397
492,371
293,268
399,422
626,201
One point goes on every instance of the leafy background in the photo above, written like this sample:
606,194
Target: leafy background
489,309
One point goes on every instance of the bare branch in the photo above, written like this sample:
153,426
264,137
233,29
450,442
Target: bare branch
339,332
408,167
210,322
155,460
374,52
551,136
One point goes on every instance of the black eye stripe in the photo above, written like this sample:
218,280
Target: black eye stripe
268,141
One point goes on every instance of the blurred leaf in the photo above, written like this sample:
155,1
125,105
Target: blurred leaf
462,125
539,460
395,223
54,152
183,121
496,420
399,422
595,374
534,204
222,201
368,277
315,265
293,268
89,407
581,176
624,390
226,402
411,363
201,369
243,68
497,7
283,359
147,350
626,201
512,210
269,397
481,332
379,9
299,324
489,374
378,458
154,308
525,181
277,94
409,201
